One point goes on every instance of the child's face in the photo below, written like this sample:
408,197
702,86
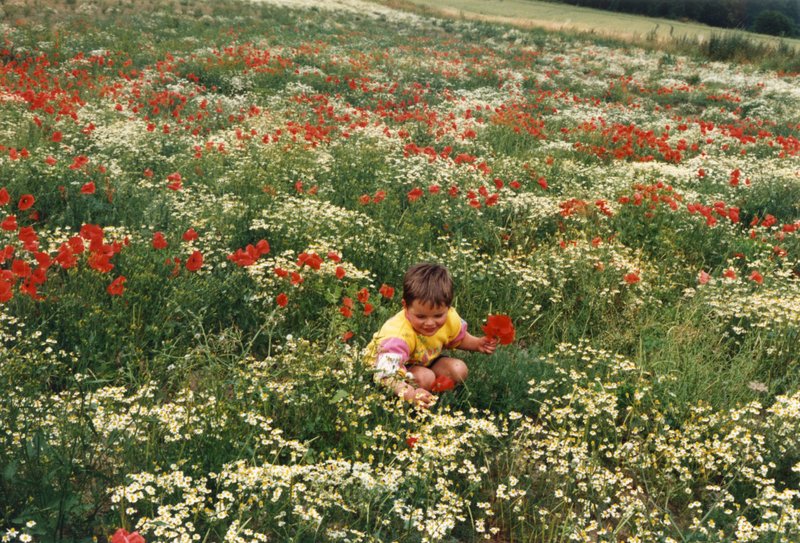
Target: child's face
426,319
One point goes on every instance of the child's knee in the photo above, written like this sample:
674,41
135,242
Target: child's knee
458,370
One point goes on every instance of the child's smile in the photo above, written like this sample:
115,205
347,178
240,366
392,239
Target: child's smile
426,319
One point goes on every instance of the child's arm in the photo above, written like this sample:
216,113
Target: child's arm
392,355
483,344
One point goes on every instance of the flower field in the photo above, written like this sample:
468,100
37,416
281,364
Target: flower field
206,210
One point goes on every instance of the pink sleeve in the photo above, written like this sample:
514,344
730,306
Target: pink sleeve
393,353
453,343
396,346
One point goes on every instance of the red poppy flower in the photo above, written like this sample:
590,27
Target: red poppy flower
312,260
262,246
122,536
242,258
91,232
116,288
411,441
363,295
386,291
195,261
159,241
65,258
88,188
100,261
4,197
379,196
729,273
282,300
414,194
6,290
57,137
368,309
442,383
79,162
9,224
280,272
632,278
542,183
29,287
43,259
334,256
296,278
27,235
20,268
364,199
38,276
757,277
76,244
703,277
347,336
500,327
6,253
190,235
346,311
26,201
340,272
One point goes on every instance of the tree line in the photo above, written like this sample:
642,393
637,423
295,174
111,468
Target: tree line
775,17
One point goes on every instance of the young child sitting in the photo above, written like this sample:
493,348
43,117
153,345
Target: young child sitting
407,349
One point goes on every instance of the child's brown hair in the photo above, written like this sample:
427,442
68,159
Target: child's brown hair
429,283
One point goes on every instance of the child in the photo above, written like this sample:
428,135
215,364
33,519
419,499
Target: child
406,351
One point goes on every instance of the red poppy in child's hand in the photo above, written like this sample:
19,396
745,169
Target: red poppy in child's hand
500,327
442,383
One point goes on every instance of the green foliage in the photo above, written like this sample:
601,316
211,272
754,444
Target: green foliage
774,23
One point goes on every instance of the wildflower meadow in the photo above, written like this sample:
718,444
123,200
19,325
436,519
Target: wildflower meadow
206,210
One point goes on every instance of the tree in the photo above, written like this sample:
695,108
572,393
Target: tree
774,23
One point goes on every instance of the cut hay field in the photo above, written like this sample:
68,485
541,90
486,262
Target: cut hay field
563,17
206,212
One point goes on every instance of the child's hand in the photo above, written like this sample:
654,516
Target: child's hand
486,345
419,396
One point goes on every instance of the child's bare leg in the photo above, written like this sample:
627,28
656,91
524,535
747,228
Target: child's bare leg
453,368
423,377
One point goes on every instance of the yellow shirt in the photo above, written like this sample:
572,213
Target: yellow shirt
396,344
